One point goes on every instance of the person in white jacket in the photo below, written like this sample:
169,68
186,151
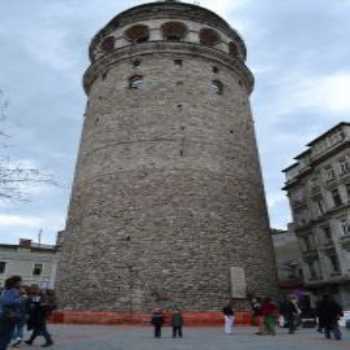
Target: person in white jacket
229,315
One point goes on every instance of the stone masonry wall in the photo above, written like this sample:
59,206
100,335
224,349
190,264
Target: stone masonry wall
168,193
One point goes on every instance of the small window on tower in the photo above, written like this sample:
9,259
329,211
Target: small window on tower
233,50
136,82
217,87
174,31
209,37
178,63
108,44
138,33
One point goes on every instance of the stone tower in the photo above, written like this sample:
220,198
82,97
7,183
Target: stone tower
168,204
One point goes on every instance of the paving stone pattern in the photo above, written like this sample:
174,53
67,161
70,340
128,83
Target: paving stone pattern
130,338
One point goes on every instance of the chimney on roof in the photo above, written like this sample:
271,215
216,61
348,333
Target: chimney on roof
25,243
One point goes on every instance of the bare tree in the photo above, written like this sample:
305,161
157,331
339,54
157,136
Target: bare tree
14,176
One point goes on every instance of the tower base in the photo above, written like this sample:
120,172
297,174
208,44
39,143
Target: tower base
191,319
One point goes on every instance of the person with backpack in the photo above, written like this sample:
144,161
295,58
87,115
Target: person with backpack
10,303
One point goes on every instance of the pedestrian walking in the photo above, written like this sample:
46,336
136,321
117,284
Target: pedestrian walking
157,321
177,323
21,319
10,302
257,315
331,313
229,316
270,312
320,315
40,308
291,312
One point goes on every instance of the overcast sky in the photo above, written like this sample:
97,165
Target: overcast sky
298,50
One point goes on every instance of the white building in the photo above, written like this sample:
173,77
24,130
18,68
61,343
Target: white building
35,263
318,187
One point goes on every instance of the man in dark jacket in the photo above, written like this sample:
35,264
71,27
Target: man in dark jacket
331,312
157,321
177,323
291,312
39,311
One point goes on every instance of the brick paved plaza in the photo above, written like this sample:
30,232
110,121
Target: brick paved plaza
69,337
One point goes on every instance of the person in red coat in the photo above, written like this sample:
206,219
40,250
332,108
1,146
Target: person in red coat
269,311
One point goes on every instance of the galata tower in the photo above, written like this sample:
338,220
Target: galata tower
168,204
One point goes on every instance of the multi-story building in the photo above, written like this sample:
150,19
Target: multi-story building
288,260
35,263
318,187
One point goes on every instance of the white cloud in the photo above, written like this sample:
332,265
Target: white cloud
329,92
298,92
8,220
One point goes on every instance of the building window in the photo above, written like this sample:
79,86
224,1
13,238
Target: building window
178,63
308,243
38,269
108,43
312,269
136,82
174,31
344,167
333,259
136,63
233,50
336,198
320,206
209,37
2,267
138,34
217,87
345,227
330,174
327,235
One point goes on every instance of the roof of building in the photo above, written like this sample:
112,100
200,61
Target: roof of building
28,244
310,144
327,133
290,167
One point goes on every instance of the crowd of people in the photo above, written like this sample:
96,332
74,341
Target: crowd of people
268,315
30,307
24,307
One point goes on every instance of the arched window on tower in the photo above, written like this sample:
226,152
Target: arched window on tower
137,34
174,31
136,82
108,43
233,49
209,37
216,87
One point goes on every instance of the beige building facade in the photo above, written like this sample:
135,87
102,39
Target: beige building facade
318,187
35,263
